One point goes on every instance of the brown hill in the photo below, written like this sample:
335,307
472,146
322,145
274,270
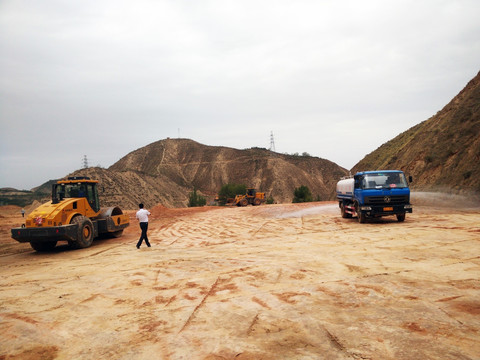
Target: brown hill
441,153
128,188
167,171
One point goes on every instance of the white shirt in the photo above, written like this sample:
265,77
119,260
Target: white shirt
142,215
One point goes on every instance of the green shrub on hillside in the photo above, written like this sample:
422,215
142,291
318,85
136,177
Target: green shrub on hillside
302,194
195,200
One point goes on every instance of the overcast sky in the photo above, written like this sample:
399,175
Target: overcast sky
332,78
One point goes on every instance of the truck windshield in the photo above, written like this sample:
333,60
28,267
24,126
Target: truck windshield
387,180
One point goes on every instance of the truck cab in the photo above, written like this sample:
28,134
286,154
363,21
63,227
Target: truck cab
372,194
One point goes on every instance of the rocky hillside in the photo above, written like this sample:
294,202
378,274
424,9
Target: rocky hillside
441,153
168,170
9,196
127,188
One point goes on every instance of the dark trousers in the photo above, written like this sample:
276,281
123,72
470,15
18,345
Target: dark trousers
144,227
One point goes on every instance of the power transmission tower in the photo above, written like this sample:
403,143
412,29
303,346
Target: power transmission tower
85,162
272,142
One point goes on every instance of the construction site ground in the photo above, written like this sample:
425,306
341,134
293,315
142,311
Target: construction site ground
292,281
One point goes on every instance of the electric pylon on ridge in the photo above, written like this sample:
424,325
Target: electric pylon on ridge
272,142
85,162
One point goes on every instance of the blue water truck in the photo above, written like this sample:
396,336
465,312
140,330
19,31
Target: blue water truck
371,194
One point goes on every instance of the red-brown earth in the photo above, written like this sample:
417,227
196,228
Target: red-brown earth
269,282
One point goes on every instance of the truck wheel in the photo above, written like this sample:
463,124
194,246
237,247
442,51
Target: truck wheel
243,202
345,215
400,217
84,232
43,246
361,217
257,202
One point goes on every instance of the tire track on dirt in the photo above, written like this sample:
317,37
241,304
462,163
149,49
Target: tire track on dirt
209,293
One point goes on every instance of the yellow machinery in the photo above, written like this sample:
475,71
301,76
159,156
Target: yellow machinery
251,197
73,215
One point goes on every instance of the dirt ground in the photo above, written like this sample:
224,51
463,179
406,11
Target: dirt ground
269,282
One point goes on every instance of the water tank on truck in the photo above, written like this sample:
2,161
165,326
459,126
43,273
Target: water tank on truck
371,194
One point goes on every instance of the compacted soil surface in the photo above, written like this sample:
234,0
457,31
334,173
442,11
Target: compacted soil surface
269,282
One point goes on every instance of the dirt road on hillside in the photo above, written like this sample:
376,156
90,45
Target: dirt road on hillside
268,282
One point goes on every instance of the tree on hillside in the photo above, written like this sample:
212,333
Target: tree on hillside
195,200
302,194
230,191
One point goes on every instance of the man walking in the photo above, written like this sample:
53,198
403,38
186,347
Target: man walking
142,216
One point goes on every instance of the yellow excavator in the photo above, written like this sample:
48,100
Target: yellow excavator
73,215
251,197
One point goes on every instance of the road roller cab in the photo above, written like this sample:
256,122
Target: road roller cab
78,188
